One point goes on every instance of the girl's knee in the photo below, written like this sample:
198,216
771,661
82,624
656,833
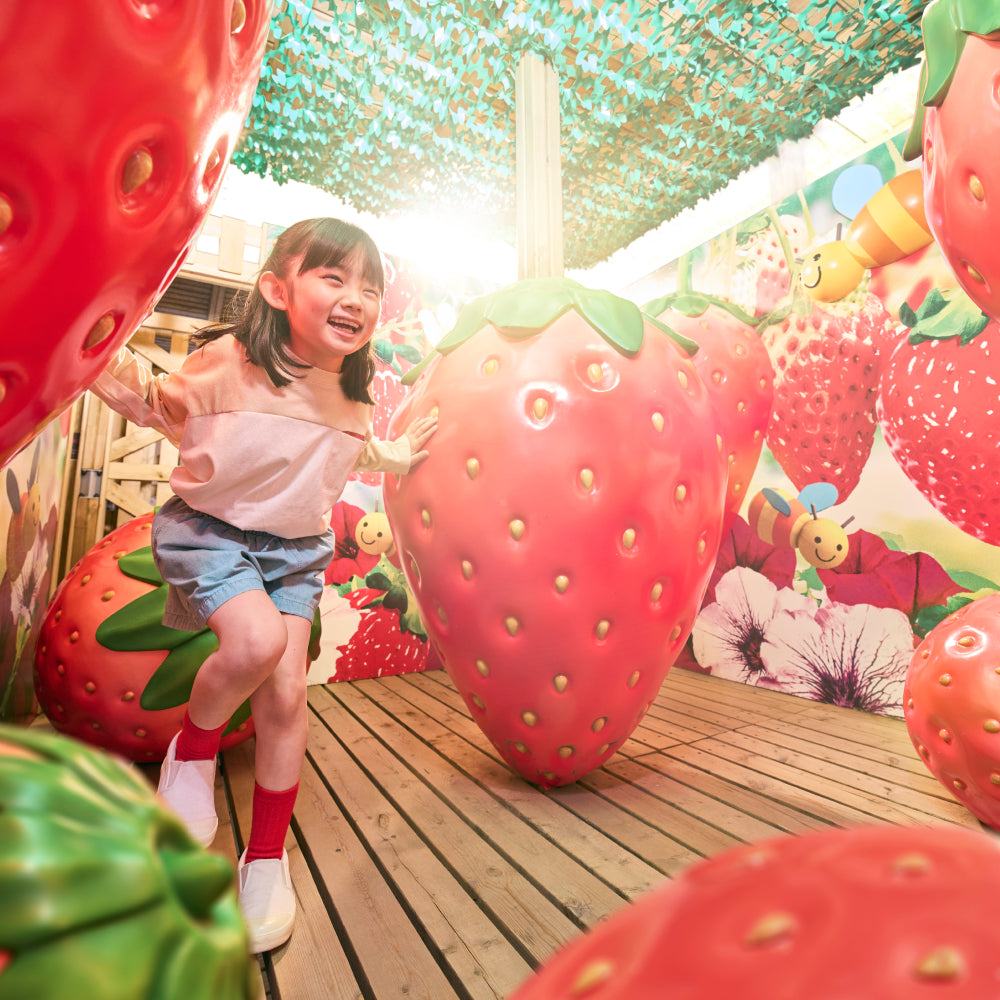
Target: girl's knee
259,642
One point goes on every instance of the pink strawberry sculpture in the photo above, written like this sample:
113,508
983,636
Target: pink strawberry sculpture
871,913
951,702
560,536
956,129
734,365
106,670
939,408
117,121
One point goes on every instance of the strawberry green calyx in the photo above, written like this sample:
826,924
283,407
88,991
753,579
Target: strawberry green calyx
525,308
946,26
138,627
943,315
105,894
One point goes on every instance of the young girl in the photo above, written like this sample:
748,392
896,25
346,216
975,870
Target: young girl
270,415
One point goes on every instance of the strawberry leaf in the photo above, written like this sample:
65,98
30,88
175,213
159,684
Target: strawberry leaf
170,686
396,599
140,566
139,626
527,307
942,316
688,346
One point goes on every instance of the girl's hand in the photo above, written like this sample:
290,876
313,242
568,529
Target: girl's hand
418,434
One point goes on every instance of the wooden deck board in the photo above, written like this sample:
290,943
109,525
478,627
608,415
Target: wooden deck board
425,869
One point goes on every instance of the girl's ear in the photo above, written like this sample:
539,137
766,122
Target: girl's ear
273,289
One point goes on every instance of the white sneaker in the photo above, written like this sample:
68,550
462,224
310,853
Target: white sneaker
188,787
267,900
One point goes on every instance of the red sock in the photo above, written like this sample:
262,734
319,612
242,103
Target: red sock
272,814
198,744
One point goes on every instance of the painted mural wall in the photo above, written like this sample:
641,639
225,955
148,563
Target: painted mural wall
845,635
29,517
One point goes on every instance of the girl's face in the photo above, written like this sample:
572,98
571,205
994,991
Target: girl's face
332,311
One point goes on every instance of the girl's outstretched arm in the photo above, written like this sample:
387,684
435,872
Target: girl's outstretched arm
418,434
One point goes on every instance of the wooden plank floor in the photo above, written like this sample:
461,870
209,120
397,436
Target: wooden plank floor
425,869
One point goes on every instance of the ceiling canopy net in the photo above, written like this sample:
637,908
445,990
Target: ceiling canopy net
396,105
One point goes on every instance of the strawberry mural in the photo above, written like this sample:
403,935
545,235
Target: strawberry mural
939,413
955,127
560,536
873,913
952,705
106,670
104,892
825,383
128,173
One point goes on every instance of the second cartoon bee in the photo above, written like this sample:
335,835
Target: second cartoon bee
792,522
889,227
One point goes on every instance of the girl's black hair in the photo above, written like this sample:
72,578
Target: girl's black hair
263,330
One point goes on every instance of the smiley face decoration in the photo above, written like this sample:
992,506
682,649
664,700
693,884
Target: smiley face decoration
792,522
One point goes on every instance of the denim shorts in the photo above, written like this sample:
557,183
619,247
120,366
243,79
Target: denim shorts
207,561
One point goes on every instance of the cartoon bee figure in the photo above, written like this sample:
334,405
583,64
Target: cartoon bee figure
374,535
890,226
785,521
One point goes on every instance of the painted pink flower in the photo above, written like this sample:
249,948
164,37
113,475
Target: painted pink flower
349,560
742,547
874,574
730,633
855,656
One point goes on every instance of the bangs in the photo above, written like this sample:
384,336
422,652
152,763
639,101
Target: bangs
332,242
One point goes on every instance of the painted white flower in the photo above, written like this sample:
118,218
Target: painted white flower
853,655
728,635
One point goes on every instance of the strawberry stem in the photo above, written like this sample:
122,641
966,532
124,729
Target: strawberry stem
786,247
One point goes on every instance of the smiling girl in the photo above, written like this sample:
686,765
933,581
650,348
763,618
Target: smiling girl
270,415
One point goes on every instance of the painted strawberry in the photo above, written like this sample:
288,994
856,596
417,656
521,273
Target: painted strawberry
734,365
158,94
106,671
384,642
951,703
938,408
825,383
104,892
957,129
871,913
769,244
559,537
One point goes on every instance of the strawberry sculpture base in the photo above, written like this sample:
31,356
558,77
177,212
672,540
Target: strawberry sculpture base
559,538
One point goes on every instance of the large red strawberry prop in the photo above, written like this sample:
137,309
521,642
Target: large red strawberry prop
957,129
560,536
116,123
106,670
825,383
104,892
951,702
734,365
939,408
872,913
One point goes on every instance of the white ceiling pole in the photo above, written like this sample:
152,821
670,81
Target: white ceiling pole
539,175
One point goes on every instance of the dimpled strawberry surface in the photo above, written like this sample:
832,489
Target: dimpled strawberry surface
117,120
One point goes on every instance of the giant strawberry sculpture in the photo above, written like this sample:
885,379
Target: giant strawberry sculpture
560,536
939,408
106,670
956,129
873,913
104,892
736,369
952,705
116,123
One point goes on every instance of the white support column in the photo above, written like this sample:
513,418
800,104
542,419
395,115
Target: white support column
539,174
